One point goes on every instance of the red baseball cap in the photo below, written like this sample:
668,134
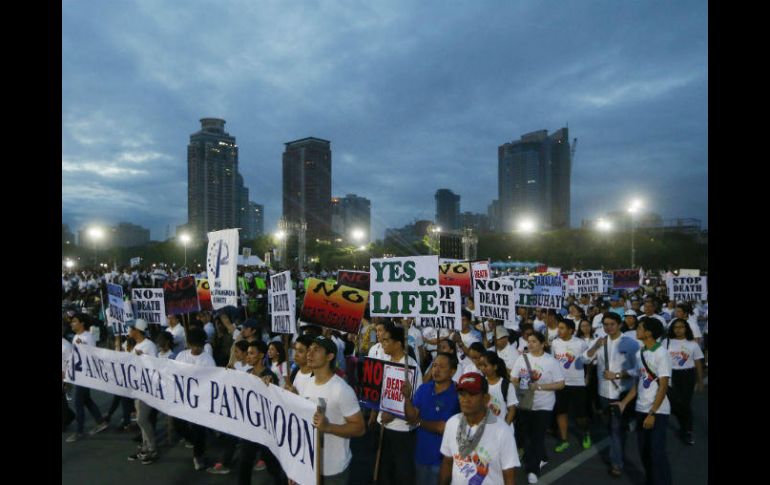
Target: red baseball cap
473,383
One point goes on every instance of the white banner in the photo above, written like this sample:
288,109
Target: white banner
221,266
135,261
688,288
283,301
689,272
116,311
528,294
404,287
450,310
494,299
232,402
585,283
148,304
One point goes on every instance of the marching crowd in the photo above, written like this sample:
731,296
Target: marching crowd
480,404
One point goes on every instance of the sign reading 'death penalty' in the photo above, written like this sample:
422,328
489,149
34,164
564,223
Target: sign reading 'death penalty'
585,283
333,305
688,288
493,299
149,305
538,291
221,267
404,287
374,388
450,310
282,308
480,270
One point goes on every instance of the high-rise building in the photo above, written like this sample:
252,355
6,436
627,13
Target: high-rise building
213,193
478,222
307,185
253,221
447,209
534,176
351,213
493,216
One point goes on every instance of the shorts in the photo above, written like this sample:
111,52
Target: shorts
571,400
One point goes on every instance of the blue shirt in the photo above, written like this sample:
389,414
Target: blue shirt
433,407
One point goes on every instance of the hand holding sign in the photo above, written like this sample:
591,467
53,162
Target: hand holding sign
406,390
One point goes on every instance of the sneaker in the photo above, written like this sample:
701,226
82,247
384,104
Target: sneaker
587,442
531,478
99,428
149,458
75,437
139,455
218,469
198,464
689,438
616,471
561,447
260,465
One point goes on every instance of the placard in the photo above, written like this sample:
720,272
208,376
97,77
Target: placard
688,288
586,283
333,305
456,274
181,295
450,311
149,305
494,299
356,279
625,279
404,287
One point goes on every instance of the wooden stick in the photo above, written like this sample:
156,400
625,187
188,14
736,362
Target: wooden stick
286,349
379,455
321,408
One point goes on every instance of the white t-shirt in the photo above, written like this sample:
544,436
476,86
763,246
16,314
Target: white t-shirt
179,337
84,338
621,353
399,424
569,354
208,349
597,321
66,351
468,339
280,370
509,354
169,354
548,370
301,380
341,402
146,347
414,339
683,353
659,363
243,367
210,330
202,360
497,404
376,352
430,333
693,322
495,452
539,325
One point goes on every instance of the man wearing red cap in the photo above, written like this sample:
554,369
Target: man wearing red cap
477,446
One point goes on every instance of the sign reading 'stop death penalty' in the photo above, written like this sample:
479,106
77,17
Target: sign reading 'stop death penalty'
404,287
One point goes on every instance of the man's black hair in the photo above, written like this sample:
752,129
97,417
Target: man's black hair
260,345
196,336
612,316
652,325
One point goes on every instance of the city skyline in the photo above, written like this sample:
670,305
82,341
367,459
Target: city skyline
398,99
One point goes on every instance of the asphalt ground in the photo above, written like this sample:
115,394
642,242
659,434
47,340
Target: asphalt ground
102,459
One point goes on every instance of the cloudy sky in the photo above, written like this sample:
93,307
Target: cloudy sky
414,96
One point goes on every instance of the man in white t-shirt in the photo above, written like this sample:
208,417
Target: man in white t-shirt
375,351
483,451
148,452
503,348
342,418
177,331
652,405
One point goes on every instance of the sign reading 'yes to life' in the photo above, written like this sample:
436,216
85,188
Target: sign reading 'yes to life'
404,287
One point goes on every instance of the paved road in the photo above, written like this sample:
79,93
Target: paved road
102,459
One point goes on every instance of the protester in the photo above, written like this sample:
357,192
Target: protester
376,352
302,372
502,394
341,418
545,377
503,349
687,374
148,451
477,446
177,330
652,405
277,358
466,336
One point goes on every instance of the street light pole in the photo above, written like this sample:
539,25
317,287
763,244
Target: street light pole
635,206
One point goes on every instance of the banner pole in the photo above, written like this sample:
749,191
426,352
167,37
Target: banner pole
379,456
286,349
321,408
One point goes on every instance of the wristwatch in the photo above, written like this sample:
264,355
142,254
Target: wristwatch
617,375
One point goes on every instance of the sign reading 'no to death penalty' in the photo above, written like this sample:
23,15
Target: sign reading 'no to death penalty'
493,299
404,287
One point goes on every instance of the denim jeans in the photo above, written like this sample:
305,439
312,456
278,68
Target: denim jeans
427,474
652,447
82,401
617,430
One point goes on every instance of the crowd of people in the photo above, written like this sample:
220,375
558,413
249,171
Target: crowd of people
480,405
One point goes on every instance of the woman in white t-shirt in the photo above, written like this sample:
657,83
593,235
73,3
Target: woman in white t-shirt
546,377
240,352
502,395
686,374
277,356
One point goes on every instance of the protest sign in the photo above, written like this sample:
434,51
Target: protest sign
480,270
585,283
204,294
450,310
356,279
181,295
456,274
116,313
282,304
608,282
493,299
687,288
333,305
235,403
135,261
404,287
625,279
689,272
372,384
553,269
148,304
221,267
528,293
392,401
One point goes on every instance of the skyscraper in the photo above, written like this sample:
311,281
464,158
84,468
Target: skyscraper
254,220
212,189
534,176
307,185
351,213
447,210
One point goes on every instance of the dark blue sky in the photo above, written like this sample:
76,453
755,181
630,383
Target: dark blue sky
414,96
